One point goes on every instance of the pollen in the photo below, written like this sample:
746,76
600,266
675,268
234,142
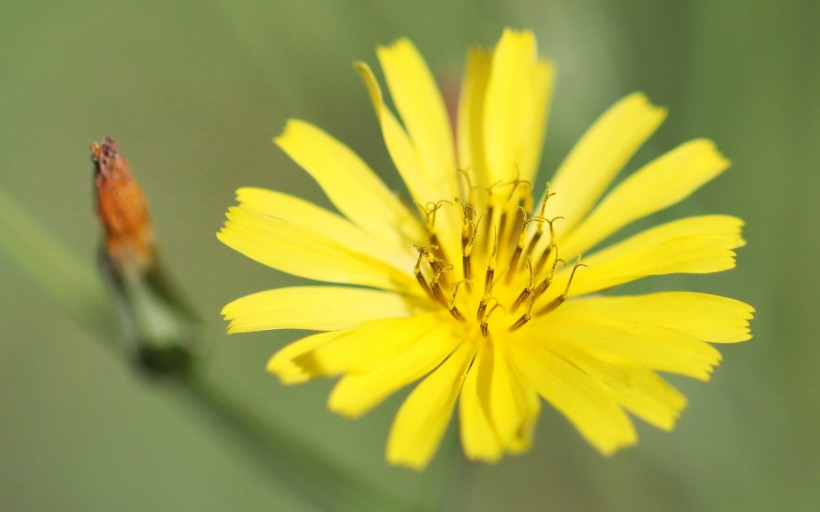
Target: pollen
509,256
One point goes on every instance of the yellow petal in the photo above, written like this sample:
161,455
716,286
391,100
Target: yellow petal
350,184
421,184
307,215
317,308
419,102
598,156
695,245
424,184
643,393
303,252
423,417
471,116
639,390
513,406
661,183
700,315
535,118
581,399
357,393
374,344
515,108
478,437
283,363
639,344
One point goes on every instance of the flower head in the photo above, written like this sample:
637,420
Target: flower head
480,292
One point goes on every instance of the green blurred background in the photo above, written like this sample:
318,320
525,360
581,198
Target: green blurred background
194,91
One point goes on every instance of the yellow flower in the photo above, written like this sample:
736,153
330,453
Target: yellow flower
479,291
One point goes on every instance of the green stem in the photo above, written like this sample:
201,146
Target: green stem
447,480
79,290
315,477
71,282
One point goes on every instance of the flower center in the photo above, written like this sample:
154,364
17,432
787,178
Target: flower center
507,263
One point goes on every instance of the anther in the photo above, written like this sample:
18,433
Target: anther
468,234
520,322
488,276
522,237
451,305
430,210
544,255
433,238
539,231
557,301
418,273
526,317
484,325
433,261
467,211
503,221
514,262
502,227
466,265
540,217
435,286
482,308
488,226
467,251
543,285
542,260
528,291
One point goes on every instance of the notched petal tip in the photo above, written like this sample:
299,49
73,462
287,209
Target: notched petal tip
611,444
235,327
639,104
513,36
640,99
290,370
708,146
220,235
610,450
344,401
228,313
485,457
287,372
342,409
283,135
745,313
292,126
402,460
401,44
675,409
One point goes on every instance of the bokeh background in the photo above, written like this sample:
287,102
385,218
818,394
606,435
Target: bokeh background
194,92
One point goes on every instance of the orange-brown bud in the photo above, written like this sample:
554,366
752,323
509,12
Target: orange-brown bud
122,209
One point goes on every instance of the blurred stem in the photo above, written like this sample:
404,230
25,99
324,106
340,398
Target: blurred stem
78,289
448,480
315,477
71,282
